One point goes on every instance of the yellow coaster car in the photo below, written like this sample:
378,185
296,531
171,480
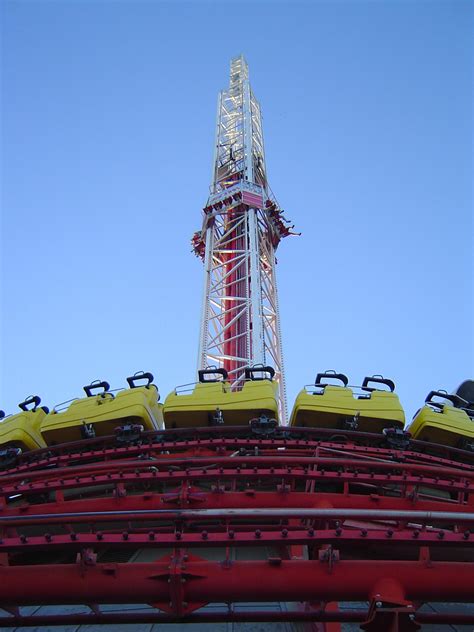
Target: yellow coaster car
331,406
214,402
438,422
23,429
100,415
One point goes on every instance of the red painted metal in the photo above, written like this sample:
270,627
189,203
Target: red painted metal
328,521
277,465
219,498
110,618
317,439
156,539
246,581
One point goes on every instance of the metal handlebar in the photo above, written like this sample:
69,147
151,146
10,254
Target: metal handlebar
251,371
203,372
140,375
377,379
33,399
331,375
105,386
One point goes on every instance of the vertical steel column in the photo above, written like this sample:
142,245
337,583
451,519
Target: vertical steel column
203,337
255,299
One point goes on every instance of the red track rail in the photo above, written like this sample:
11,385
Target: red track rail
301,519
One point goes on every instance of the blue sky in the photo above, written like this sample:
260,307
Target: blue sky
108,115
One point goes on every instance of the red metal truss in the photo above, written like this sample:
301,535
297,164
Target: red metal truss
303,518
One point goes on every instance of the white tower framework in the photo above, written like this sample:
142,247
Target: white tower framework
242,227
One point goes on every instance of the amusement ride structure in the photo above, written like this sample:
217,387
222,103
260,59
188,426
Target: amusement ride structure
215,506
243,225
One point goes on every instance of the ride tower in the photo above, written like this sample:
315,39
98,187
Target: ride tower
242,228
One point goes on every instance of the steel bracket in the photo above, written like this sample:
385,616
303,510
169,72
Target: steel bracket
397,439
328,556
390,617
129,433
85,559
185,495
263,425
9,457
177,577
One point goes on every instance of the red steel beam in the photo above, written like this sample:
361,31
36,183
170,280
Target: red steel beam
227,582
258,536
248,461
110,618
249,499
49,458
56,480
367,441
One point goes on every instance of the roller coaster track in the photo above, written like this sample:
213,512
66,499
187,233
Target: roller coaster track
328,518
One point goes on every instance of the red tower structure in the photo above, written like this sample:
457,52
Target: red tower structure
242,227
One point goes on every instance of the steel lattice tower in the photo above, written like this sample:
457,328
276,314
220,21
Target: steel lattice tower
242,227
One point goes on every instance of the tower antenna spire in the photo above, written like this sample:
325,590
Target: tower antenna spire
242,227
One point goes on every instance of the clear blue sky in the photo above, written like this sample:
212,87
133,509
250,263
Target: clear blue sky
108,120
